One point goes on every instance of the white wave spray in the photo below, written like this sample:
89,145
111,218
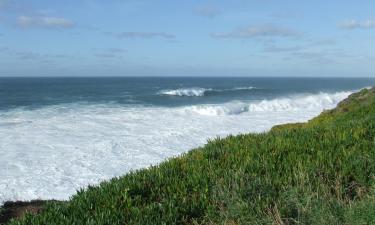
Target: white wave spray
190,92
51,152
199,92
294,103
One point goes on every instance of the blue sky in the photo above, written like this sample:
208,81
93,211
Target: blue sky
187,38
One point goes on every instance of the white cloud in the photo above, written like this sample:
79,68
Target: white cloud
32,55
145,35
354,24
44,22
106,55
117,50
283,49
257,31
111,53
326,42
207,11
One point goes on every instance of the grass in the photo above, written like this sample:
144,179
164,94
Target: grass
320,172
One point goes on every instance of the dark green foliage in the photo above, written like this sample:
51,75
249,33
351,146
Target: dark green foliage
321,172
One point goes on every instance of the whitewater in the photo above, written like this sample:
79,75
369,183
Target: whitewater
50,152
199,92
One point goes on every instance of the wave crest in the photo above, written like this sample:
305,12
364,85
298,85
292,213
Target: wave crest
244,88
200,92
314,102
190,92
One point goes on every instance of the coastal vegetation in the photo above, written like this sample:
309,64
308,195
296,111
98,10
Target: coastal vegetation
319,172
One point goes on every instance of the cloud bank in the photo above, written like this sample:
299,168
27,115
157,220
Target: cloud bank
44,22
145,35
111,53
207,11
354,24
257,31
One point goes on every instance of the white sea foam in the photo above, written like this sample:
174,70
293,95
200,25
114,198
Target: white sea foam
53,151
191,92
294,103
245,88
199,92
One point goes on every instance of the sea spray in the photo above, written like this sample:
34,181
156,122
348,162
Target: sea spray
50,152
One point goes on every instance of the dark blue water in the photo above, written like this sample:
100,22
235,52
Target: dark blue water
38,92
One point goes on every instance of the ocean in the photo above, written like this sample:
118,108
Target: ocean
58,135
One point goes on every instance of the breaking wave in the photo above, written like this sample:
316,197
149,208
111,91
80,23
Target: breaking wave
199,92
319,101
50,152
190,92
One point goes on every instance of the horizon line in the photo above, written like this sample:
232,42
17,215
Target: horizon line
184,76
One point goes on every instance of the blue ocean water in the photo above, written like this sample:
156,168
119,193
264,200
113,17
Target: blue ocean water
165,91
61,134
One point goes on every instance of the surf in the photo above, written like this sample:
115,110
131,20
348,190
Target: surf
50,152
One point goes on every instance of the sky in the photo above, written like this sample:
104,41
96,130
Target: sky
259,38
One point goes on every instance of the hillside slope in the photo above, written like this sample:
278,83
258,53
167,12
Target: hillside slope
320,172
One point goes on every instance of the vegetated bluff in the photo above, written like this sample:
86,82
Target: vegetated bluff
320,172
